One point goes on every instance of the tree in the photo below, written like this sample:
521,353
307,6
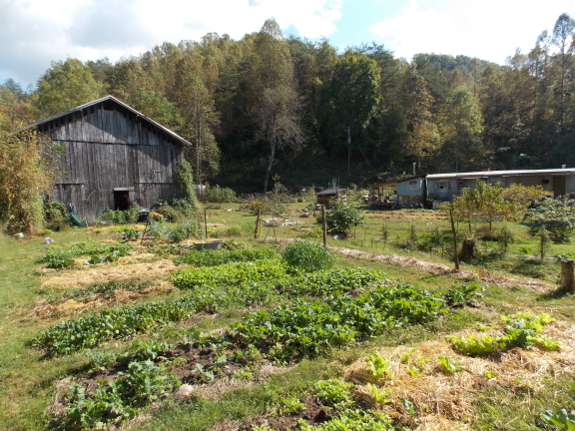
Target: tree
425,139
562,38
277,119
485,201
197,107
66,85
462,125
351,99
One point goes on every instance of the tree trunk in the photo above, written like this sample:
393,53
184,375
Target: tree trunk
567,276
454,233
270,164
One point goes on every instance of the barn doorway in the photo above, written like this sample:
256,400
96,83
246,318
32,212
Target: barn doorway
122,198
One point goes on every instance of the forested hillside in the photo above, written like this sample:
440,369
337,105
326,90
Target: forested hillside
268,105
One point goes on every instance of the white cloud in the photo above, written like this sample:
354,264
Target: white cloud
35,32
490,29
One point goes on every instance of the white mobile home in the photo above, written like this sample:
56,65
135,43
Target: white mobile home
443,187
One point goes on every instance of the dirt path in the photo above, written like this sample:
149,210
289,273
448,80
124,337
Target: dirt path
439,269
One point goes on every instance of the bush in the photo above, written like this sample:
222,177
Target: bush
342,217
217,194
553,215
308,256
54,210
128,216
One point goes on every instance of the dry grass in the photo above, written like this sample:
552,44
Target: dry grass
445,401
121,296
440,269
122,270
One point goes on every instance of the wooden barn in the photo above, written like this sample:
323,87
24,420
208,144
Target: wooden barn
113,156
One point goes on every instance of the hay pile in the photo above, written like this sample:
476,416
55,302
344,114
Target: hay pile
103,274
445,401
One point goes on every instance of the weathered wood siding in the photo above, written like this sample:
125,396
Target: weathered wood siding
107,147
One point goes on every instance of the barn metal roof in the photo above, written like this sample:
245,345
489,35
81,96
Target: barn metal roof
511,173
123,105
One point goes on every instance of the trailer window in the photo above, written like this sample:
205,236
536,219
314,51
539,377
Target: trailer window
443,185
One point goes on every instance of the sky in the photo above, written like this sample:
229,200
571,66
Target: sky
34,33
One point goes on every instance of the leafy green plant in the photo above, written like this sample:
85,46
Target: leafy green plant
448,365
291,405
379,396
308,256
378,366
464,294
334,392
113,401
563,419
556,216
220,257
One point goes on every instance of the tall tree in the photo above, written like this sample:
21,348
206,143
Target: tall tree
462,126
350,99
563,39
65,85
425,139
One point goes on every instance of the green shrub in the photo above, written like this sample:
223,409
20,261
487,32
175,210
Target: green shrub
54,210
308,256
217,194
128,216
342,217
557,216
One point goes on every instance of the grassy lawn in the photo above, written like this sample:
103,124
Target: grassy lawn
181,330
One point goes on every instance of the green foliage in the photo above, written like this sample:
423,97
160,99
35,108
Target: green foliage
217,194
521,330
342,217
235,273
220,257
54,210
61,257
186,182
448,365
563,419
378,366
334,392
464,294
129,216
65,85
308,256
114,401
354,420
306,329
25,174
556,216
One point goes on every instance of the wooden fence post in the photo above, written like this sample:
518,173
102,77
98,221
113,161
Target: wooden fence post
324,226
567,276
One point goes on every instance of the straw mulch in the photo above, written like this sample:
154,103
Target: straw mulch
107,272
75,306
439,268
446,401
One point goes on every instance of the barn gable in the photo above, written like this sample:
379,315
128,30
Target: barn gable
113,156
